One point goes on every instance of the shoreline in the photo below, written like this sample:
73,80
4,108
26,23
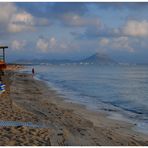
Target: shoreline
117,114
71,124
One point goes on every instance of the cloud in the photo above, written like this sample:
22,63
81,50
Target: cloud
24,18
37,9
136,28
67,8
94,32
25,21
71,14
132,28
74,20
134,6
104,41
122,43
48,9
21,22
52,42
7,10
17,45
52,45
47,44
42,44
67,13
13,20
53,10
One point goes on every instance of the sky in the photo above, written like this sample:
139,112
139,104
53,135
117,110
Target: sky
71,30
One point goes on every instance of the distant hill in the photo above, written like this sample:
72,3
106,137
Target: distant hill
97,59
39,61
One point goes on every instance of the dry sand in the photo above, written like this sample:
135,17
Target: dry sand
30,100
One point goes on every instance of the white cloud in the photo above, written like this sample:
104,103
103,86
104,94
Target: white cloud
46,45
18,45
23,17
14,20
52,45
21,22
10,17
42,21
122,43
52,42
136,28
74,20
104,41
7,10
63,46
13,28
42,44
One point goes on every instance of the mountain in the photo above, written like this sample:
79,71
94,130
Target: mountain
97,58
42,61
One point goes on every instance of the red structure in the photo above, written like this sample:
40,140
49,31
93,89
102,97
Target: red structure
2,58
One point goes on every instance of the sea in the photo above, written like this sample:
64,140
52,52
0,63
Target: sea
121,91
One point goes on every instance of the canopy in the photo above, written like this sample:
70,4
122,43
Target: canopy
3,47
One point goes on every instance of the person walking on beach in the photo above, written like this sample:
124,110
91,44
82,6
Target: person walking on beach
33,72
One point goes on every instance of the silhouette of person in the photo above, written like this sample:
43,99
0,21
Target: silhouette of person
33,72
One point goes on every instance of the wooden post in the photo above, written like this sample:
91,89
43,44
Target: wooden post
4,54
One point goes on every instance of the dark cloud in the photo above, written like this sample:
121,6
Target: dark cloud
122,5
93,32
62,12
73,7
52,10
39,9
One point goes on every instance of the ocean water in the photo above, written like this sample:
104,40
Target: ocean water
122,91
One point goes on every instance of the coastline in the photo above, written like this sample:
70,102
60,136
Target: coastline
108,110
69,123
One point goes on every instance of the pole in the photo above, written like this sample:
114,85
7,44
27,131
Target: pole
4,54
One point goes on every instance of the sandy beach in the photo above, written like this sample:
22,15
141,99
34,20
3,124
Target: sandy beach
65,123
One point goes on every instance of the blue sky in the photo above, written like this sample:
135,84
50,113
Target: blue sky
75,30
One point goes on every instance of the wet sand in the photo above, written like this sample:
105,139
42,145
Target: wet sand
30,100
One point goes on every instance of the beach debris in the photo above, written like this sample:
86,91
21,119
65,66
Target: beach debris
2,88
